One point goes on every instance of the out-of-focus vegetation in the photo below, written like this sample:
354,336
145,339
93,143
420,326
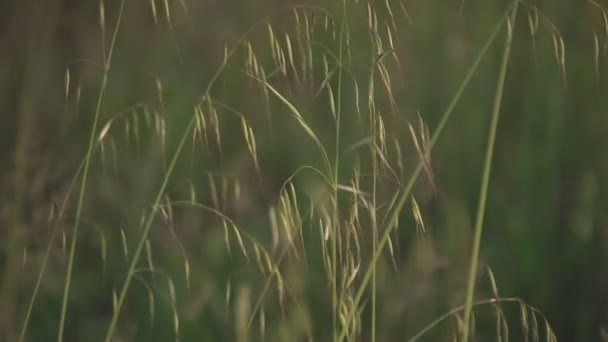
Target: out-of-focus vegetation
241,170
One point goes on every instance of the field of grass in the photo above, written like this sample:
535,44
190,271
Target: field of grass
303,171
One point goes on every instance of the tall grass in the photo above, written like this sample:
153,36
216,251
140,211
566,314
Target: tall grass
307,246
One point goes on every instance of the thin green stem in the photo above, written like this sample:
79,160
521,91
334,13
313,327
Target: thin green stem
372,209
486,176
66,289
339,95
155,207
336,170
85,172
45,259
374,232
391,223
145,233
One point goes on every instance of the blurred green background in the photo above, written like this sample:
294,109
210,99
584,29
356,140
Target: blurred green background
546,227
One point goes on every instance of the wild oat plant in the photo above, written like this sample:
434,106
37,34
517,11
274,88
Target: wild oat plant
283,202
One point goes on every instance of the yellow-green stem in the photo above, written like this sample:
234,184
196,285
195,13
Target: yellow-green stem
486,176
88,157
334,246
374,232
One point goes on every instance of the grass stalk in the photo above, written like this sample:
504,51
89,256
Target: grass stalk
47,254
156,204
336,181
486,175
374,224
85,172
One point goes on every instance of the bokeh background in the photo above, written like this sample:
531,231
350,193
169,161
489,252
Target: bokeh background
546,227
